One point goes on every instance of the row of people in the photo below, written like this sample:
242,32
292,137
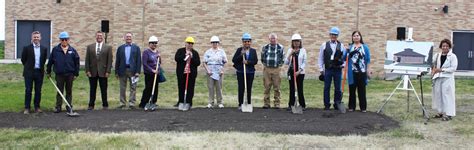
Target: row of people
64,61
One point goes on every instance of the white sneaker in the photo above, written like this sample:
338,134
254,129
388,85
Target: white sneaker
221,105
209,105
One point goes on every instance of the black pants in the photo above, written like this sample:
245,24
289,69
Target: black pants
299,84
93,90
37,79
64,81
359,85
190,90
241,86
149,77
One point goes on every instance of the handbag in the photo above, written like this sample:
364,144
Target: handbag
161,77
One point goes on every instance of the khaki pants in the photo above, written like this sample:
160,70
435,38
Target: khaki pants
214,86
271,77
123,88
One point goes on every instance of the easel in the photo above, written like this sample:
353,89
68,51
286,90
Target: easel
407,86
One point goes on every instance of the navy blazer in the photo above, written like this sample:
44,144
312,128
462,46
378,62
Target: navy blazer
135,60
63,63
28,59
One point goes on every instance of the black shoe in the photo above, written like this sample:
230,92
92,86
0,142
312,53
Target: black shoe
288,109
176,105
304,108
90,108
57,110
266,107
131,107
327,108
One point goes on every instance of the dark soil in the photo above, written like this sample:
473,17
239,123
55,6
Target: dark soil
313,121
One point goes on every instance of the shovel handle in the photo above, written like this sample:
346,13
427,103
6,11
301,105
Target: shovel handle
156,74
60,93
245,80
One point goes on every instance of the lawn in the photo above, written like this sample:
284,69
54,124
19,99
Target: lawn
2,49
457,133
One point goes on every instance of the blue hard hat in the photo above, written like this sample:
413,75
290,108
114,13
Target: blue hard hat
334,30
246,36
63,35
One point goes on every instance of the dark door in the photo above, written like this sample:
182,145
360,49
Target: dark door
24,30
463,48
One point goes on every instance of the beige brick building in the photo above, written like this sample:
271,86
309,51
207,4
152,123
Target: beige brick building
173,20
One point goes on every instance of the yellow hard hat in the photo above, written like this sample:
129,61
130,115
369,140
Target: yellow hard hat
189,40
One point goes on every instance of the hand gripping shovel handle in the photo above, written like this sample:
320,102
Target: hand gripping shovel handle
60,93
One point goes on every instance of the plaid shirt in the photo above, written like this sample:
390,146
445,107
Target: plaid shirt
272,56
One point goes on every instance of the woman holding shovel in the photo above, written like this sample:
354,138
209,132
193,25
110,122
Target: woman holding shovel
296,58
214,60
151,61
187,61
245,59
357,56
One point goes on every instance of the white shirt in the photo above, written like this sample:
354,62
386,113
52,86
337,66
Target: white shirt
37,55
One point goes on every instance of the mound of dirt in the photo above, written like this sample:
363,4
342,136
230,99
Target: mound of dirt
312,121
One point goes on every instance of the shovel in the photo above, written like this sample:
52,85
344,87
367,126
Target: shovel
150,106
246,107
340,105
70,113
296,108
185,106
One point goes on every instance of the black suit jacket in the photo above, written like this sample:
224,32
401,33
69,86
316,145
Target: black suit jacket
28,59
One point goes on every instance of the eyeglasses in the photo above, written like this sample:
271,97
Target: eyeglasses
154,43
64,39
190,43
333,34
246,41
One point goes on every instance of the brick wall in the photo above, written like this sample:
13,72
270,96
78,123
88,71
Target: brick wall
173,20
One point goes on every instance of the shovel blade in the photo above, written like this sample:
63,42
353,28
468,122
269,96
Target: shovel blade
247,108
72,114
147,107
341,107
186,107
297,109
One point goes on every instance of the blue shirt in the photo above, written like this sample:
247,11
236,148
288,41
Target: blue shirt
128,49
37,55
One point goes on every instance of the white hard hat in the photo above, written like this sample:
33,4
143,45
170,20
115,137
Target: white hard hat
215,39
153,39
296,37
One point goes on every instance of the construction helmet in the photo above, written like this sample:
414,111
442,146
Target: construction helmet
153,39
296,37
189,40
63,35
246,36
215,39
334,30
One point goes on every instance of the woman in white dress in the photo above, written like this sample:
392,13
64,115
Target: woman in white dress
444,66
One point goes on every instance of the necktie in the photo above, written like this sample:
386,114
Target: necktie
98,51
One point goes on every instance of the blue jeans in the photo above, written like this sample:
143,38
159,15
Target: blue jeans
37,79
329,76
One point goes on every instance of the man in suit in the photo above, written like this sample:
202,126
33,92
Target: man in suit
127,69
33,59
98,65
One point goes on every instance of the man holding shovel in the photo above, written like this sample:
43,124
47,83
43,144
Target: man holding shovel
65,60
245,59
330,64
187,61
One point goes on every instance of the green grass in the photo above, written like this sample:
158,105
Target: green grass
412,132
2,49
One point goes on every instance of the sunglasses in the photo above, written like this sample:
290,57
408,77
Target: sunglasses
214,42
153,42
246,41
64,39
333,34
190,43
